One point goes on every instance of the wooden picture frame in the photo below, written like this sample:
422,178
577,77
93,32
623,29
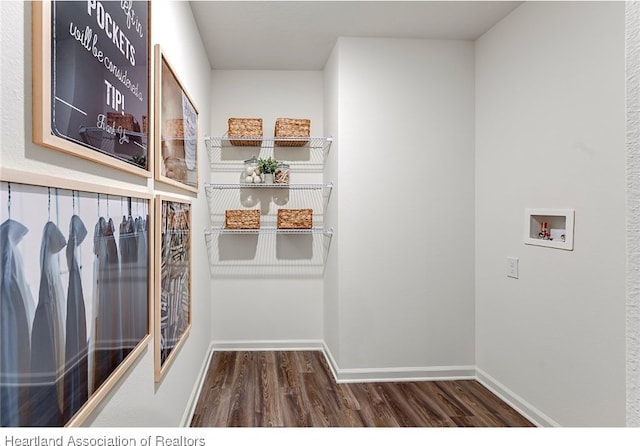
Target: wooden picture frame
173,280
80,292
92,88
176,128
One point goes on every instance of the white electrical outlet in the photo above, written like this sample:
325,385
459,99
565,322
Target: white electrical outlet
513,267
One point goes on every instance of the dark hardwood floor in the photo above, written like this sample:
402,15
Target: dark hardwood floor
297,389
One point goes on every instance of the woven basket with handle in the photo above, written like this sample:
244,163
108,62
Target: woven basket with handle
295,218
241,129
242,219
295,132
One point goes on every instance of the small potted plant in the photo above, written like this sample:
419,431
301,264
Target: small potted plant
268,167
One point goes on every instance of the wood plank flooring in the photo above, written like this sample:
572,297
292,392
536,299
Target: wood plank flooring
297,389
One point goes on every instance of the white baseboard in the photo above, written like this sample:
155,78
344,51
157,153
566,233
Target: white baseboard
405,374
197,388
396,373
333,364
300,344
512,399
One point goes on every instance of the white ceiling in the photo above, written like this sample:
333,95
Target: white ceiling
299,35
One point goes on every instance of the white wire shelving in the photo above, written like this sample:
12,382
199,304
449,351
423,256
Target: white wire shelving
268,251
304,154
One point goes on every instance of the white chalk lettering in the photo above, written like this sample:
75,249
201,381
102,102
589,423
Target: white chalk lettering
112,30
132,19
123,136
115,99
111,129
102,124
89,40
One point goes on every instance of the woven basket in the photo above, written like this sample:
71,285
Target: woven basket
292,128
243,128
295,218
242,219
123,121
173,128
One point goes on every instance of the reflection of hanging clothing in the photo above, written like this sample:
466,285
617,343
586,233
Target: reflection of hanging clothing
190,128
47,339
140,313
76,350
128,254
15,299
107,332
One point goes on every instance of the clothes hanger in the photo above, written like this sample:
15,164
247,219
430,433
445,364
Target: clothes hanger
9,201
57,206
111,226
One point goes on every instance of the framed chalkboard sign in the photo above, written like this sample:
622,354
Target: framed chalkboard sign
91,69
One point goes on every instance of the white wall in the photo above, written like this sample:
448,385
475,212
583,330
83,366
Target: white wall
633,212
550,133
405,197
264,302
161,404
